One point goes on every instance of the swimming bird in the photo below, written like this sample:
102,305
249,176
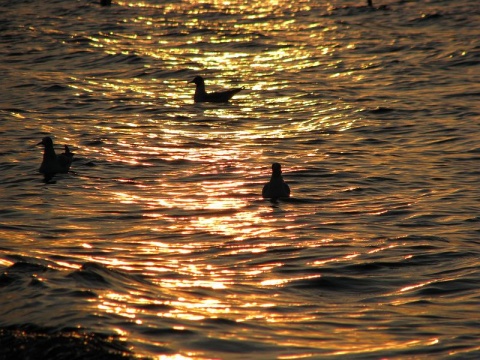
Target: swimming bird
276,188
381,7
52,163
218,97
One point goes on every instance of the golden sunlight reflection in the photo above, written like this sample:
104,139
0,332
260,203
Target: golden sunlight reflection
285,59
176,357
278,282
222,60
343,258
195,309
117,304
224,207
238,225
126,198
296,356
5,262
416,286
320,122
388,345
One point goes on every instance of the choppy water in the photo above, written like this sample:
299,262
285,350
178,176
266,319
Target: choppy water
159,238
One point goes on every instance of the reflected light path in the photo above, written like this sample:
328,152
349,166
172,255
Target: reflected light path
160,231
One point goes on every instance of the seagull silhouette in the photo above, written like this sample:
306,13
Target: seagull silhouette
218,97
52,163
276,188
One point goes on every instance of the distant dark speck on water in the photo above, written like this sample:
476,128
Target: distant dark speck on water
381,110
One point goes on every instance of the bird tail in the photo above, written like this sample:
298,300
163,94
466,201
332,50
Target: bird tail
67,152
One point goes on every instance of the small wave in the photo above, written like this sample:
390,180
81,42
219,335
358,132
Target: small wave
228,346
55,88
373,266
337,284
427,17
109,60
27,267
97,276
447,287
464,93
16,110
355,10
381,110
90,277
167,332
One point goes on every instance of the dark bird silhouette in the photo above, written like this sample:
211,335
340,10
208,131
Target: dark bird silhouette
52,163
381,7
218,97
276,188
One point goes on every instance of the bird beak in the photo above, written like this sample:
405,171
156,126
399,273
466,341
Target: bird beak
40,143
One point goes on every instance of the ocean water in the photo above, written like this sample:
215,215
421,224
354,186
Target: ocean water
157,244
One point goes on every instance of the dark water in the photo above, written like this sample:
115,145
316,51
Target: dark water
158,244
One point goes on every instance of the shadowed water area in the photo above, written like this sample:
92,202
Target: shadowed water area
158,244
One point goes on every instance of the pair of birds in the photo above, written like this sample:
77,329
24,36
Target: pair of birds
276,188
53,164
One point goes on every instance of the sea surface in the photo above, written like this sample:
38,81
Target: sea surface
158,245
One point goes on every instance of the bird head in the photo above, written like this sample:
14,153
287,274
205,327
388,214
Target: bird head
197,80
46,141
276,169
